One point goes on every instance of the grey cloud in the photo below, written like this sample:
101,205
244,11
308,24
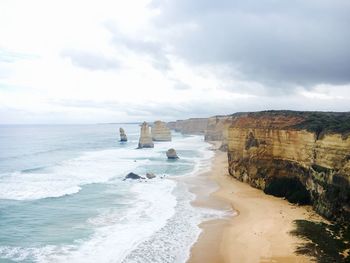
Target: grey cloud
160,110
198,108
179,85
156,50
108,105
90,61
278,43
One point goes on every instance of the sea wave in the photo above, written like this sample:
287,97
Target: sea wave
115,235
158,224
172,243
67,177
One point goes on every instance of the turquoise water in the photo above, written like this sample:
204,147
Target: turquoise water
62,197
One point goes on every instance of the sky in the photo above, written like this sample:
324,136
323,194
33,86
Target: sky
89,61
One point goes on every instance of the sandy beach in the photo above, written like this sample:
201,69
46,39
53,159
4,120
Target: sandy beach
259,229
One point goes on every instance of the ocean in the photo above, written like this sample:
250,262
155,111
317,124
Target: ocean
63,198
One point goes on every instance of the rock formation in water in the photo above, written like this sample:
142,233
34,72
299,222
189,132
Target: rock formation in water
303,156
133,176
150,175
190,126
145,137
160,132
171,154
123,137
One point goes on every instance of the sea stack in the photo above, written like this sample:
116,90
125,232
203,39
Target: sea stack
171,154
160,132
123,137
145,137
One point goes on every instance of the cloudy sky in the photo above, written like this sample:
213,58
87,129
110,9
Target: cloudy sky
114,60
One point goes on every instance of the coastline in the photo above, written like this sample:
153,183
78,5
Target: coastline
257,230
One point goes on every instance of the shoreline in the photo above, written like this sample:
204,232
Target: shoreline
258,229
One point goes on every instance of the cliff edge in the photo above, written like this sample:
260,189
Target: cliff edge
303,156
189,126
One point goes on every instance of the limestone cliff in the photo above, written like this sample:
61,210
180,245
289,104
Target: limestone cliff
171,125
145,137
310,148
190,126
217,129
160,132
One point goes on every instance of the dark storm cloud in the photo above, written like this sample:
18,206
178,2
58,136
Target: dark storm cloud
297,42
90,61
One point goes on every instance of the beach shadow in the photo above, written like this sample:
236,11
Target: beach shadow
326,243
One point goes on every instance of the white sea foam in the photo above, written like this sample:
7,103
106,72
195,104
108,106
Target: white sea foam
160,227
153,204
172,243
68,176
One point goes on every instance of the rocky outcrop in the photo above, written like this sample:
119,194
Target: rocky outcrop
145,137
171,154
133,176
150,175
160,132
190,126
312,150
123,137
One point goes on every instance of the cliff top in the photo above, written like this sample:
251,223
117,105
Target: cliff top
194,119
313,121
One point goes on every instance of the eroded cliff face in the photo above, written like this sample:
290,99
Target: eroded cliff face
263,148
145,140
171,125
190,126
160,132
217,130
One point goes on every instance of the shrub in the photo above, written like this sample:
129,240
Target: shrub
314,121
326,122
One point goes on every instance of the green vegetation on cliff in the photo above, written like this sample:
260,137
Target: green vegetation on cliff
326,122
314,121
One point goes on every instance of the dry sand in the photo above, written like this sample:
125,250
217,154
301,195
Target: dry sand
259,232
